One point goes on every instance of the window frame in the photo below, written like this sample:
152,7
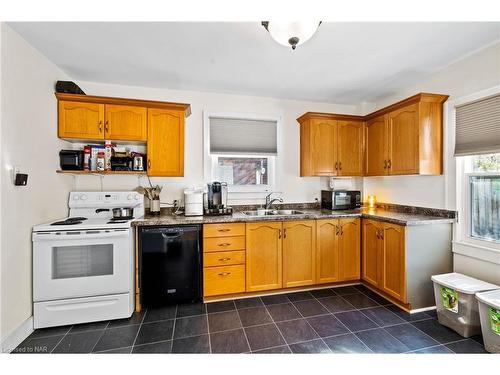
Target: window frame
209,159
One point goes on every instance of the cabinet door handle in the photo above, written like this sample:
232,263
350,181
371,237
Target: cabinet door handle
279,234
378,234
337,230
100,126
284,233
149,163
340,165
385,164
224,244
390,164
224,273
224,230
224,259
336,165
106,126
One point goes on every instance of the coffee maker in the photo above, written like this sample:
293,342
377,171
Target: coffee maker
216,203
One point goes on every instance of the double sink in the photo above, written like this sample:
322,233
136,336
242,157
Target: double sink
265,212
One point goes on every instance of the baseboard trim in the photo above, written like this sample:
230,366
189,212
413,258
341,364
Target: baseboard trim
18,336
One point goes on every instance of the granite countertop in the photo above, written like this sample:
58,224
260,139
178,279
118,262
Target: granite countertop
401,218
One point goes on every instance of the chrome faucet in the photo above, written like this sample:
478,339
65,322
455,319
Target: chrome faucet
270,201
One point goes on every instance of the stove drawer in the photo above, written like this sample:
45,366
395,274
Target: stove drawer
82,310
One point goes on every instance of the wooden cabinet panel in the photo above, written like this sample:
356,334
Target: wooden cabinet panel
80,120
403,141
350,148
392,280
224,243
324,150
327,260
224,230
223,258
371,252
299,253
264,256
165,142
125,123
223,280
376,147
349,249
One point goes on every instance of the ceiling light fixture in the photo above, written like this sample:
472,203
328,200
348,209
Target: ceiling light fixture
291,34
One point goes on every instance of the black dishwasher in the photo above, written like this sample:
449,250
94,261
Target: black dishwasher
170,264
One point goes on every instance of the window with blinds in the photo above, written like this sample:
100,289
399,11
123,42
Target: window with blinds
478,127
242,136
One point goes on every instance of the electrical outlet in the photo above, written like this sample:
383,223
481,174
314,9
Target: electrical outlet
13,172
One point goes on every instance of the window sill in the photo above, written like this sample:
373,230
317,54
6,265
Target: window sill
488,254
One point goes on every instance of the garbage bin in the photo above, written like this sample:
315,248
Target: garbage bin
489,311
456,304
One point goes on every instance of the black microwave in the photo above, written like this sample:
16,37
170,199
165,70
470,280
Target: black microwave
340,199
71,160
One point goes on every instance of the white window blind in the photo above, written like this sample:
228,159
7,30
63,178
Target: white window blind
242,136
478,127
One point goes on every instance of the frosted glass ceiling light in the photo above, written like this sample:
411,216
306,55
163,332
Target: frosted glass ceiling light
291,34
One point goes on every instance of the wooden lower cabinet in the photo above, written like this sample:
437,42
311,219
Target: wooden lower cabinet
264,256
299,253
337,250
384,264
223,280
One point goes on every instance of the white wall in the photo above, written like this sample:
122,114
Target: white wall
476,72
28,140
294,188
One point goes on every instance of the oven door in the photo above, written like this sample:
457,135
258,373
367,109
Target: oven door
70,264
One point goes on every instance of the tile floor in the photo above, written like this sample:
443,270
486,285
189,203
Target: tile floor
348,319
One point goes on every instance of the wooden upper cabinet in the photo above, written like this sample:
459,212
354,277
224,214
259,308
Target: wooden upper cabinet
324,151
80,120
299,253
349,249
403,141
264,256
165,142
125,123
327,255
371,249
350,148
393,268
376,146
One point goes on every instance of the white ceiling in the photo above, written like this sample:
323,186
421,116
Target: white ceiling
343,62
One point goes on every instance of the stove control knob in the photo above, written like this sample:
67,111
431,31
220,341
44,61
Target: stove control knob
136,197
83,197
129,197
76,197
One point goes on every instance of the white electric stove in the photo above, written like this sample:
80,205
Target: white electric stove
83,265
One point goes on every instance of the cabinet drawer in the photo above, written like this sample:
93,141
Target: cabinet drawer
223,244
224,230
223,258
223,280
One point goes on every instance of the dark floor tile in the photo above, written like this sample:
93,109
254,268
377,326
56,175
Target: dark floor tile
223,321
163,347
229,342
327,325
336,304
310,347
362,288
379,341
126,350
77,328
155,331
254,316
266,336
310,308
377,298
197,344
299,296
346,344
276,350
360,301
296,331
37,345
114,338
466,347
220,306
246,303
407,316
136,318
432,313
410,336
437,331
190,326
161,313
51,331
441,349
382,316
82,342
322,293
355,320
285,311
191,309
275,299
345,290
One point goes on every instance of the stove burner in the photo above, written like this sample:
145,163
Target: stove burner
116,222
78,218
120,219
67,222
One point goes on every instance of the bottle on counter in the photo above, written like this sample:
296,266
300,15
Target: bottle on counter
107,155
100,162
